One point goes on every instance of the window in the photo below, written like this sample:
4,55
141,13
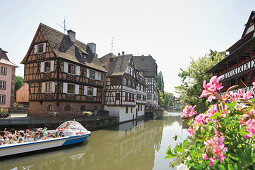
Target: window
67,108
40,48
149,97
124,81
71,68
130,96
92,74
46,66
131,109
149,88
2,99
50,107
126,96
3,85
126,109
70,88
90,91
48,87
83,108
149,80
3,70
117,96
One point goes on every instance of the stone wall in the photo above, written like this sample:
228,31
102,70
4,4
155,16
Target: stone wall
37,109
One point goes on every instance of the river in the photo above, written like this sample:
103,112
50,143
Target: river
139,145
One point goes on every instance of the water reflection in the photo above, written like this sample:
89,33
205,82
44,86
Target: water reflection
133,145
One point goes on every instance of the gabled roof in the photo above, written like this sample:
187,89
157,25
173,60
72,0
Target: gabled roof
146,64
4,59
64,48
118,65
105,60
251,18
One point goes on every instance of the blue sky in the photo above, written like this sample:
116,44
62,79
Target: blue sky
171,31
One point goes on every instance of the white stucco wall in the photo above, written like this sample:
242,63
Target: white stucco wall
121,111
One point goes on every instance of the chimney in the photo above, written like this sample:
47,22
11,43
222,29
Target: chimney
92,47
118,54
123,53
71,35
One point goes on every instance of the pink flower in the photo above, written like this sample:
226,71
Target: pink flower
190,131
188,111
212,160
212,87
216,147
250,128
205,157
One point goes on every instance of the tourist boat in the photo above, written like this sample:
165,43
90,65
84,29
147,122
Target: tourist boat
72,133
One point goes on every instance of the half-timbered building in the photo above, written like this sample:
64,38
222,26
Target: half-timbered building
148,66
64,75
238,67
125,88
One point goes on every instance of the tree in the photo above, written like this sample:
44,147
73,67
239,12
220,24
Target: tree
160,82
168,100
19,81
193,77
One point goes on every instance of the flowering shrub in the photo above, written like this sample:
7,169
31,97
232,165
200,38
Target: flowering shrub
222,137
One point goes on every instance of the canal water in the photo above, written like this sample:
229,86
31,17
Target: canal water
139,145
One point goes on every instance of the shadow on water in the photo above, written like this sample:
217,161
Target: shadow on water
132,145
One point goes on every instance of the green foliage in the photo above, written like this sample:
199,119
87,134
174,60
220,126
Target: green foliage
19,81
160,82
192,79
168,100
161,100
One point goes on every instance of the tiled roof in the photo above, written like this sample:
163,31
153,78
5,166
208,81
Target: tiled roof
63,47
4,59
118,65
146,64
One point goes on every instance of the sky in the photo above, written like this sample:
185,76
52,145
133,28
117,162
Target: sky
172,31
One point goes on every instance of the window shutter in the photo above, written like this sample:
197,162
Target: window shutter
87,72
43,87
77,88
35,49
44,47
96,75
85,90
65,67
53,87
52,65
64,87
94,91
77,70
42,67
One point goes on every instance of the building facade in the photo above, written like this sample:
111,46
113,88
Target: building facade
64,75
125,88
7,83
148,66
22,95
238,67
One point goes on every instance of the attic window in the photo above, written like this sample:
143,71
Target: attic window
40,48
83,55
142,59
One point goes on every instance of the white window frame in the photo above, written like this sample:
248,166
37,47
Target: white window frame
3,70
2,85
2,99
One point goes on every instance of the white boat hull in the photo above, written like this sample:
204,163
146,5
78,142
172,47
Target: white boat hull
13,149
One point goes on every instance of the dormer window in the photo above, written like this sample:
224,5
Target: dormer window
83,55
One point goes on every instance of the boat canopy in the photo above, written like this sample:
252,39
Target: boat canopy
71,125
